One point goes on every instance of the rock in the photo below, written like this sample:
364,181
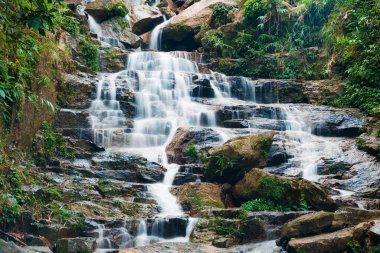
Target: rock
195,197
259,184
36,249
10,247
202,89
181,29
374,233
369,144
33,240
72,119
52,232
128,168
309,224
78,90
201,138
101,10
208,231
335,242
173,247
266,226
144,18
230,161
346,217
76,245
113,59
333,167
116,28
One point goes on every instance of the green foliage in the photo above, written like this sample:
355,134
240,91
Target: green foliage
273,189
26,37
353,37
258,205
221,227
70,24
12,193
220,14
374,249
353,247
90,53
105,188
192,151
54,145
117,10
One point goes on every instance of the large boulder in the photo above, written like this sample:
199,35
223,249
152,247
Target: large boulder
102,10
117,28
76,245
309,224
290,192
196,197
230,161
335,242
182,28
144,18
187,144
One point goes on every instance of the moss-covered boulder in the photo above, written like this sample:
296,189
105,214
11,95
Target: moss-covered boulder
196,197
292,193
229,162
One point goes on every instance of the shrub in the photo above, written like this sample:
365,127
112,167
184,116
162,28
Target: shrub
90,53
220,14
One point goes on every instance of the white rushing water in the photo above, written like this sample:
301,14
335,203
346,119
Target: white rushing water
159,85
94,26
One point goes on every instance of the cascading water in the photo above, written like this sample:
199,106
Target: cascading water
156,35
94,26
162,85
307,148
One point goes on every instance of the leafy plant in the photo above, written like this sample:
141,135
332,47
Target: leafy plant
220,14
90,53
192,151
258,205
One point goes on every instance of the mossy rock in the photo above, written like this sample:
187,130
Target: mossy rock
195,197
229,162
294,193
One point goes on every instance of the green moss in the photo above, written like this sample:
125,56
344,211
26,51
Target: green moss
272,188
199,200
258,205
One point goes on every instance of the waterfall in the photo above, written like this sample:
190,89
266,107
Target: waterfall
94,26
307,148
156,35
138,111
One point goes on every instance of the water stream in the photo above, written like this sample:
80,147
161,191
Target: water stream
161,88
